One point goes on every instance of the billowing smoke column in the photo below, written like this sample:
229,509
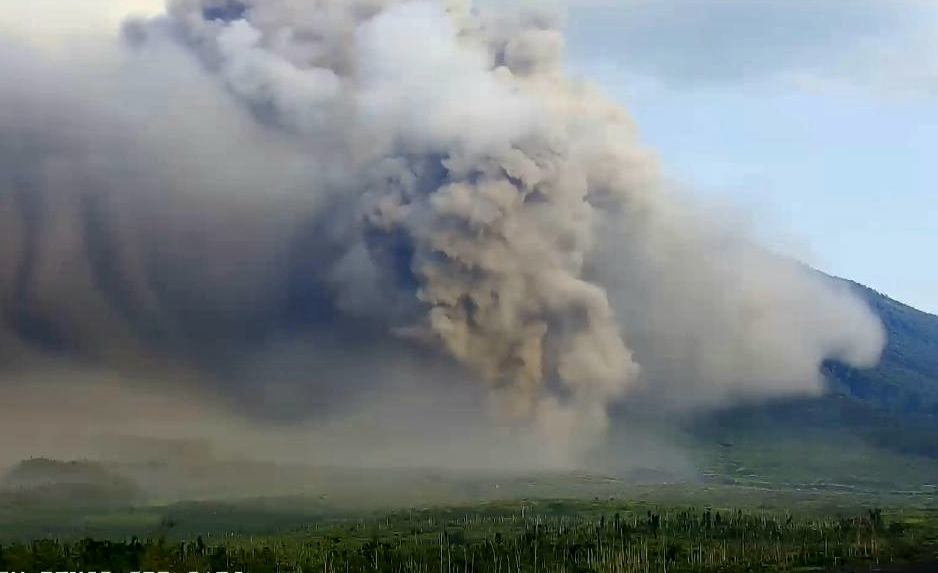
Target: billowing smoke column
372,179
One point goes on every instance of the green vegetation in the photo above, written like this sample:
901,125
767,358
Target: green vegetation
75,484
868,422
906,379
45,471
612,535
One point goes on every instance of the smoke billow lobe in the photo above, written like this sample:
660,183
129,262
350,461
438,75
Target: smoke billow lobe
359,180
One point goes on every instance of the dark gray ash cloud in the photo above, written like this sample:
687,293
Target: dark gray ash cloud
291,208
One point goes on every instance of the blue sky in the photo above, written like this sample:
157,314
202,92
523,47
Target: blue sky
818,118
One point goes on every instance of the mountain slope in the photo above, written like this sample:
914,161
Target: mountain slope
873,426
906,378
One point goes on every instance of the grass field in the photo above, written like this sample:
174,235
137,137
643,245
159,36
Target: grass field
635,529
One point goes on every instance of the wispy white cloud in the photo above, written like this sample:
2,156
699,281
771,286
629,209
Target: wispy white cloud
888,47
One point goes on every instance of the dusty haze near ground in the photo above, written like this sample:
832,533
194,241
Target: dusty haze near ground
369,230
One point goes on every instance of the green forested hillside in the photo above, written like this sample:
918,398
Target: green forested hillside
876,426
52,483
907,377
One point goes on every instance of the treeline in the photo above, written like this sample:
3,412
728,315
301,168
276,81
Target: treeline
673,541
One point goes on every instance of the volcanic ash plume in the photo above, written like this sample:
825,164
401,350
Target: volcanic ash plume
393,177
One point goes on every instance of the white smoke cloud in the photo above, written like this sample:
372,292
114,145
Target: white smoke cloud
57,27
396,178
